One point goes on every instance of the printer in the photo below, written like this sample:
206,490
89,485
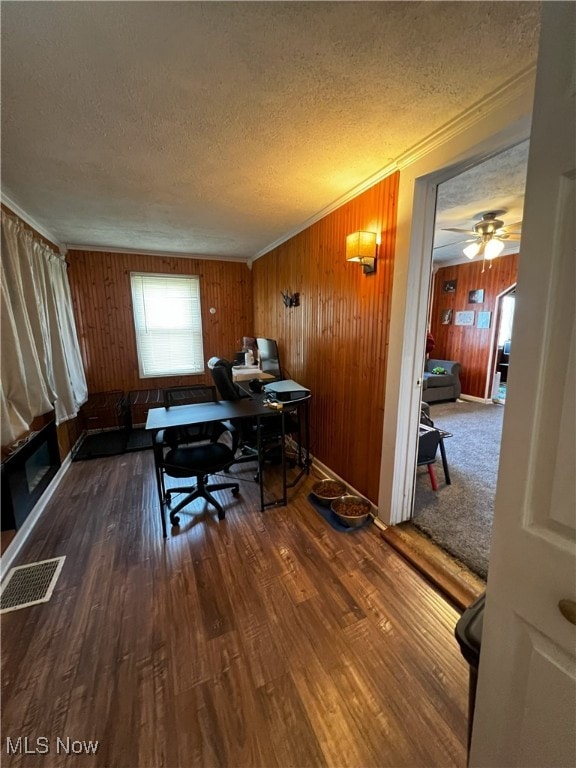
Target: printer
286,391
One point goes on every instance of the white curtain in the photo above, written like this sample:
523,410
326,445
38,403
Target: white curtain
41,366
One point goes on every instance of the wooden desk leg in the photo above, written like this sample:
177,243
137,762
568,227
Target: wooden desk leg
444,462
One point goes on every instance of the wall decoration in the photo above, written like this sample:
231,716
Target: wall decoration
449,286
464,318
483,319
446,317
476,297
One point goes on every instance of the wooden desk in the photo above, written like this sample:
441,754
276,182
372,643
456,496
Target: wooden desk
224,410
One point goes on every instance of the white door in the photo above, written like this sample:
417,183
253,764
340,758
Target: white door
526,701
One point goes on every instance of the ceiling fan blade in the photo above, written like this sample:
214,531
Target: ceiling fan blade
513,236
465,231
448,245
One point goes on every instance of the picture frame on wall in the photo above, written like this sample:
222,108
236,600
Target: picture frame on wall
484,319
464,318
449,286
476,297
446,316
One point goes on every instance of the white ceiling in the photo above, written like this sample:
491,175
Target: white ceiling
221,128
496,185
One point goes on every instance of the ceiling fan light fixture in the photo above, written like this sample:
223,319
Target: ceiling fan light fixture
494,247
472,250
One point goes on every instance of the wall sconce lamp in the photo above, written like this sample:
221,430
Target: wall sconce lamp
361,247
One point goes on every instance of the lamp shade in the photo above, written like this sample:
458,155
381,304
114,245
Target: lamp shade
472,250
493,248
361,246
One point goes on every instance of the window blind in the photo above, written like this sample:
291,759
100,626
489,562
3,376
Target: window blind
168,323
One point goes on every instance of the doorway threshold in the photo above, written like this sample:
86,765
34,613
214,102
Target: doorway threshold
456,582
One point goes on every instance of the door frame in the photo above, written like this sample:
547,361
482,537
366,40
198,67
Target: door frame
480,134
494,341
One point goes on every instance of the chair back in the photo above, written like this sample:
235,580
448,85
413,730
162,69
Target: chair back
428,446
197,433
221,370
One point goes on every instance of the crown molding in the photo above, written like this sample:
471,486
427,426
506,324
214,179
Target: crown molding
31,221
159,254
521,85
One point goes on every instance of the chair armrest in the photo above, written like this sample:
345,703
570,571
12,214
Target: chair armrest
450,366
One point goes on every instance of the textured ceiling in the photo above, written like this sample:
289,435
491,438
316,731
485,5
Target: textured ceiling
219,128
496,185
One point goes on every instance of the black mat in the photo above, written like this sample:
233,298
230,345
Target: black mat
138,440
332,520
112,443
100,445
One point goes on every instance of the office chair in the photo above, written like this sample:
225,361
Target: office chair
270,427
194,393
197,461
244,436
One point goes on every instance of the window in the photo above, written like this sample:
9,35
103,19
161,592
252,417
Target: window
168,323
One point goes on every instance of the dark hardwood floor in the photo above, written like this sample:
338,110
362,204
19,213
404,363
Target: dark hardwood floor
263,640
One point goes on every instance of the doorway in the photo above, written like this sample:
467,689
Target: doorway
471,319
504,325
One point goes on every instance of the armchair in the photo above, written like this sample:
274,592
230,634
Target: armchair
441,386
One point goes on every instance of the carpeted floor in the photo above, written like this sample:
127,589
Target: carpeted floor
458,517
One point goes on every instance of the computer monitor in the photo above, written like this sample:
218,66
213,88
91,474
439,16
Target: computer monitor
269,357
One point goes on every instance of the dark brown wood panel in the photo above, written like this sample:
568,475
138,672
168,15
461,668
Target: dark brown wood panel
262,640
468,344
336,341
100,286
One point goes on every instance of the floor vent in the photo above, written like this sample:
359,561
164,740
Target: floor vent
29,584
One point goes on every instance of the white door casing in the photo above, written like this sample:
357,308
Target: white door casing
526,701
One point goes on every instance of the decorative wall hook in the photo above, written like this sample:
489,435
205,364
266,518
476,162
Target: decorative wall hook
290,299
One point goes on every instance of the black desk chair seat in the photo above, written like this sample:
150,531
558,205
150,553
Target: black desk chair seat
197,461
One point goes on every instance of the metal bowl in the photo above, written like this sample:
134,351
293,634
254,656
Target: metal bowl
327,491
348,508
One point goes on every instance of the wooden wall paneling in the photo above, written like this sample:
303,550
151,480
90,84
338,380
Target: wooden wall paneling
100,286
335,342
470,345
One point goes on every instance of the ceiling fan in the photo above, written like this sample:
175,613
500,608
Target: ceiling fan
489,234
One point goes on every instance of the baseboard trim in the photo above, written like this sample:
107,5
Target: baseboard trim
473,399
13,549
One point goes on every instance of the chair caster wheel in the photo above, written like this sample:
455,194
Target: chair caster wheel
168,498
221,515
257,478
235,491
175,520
